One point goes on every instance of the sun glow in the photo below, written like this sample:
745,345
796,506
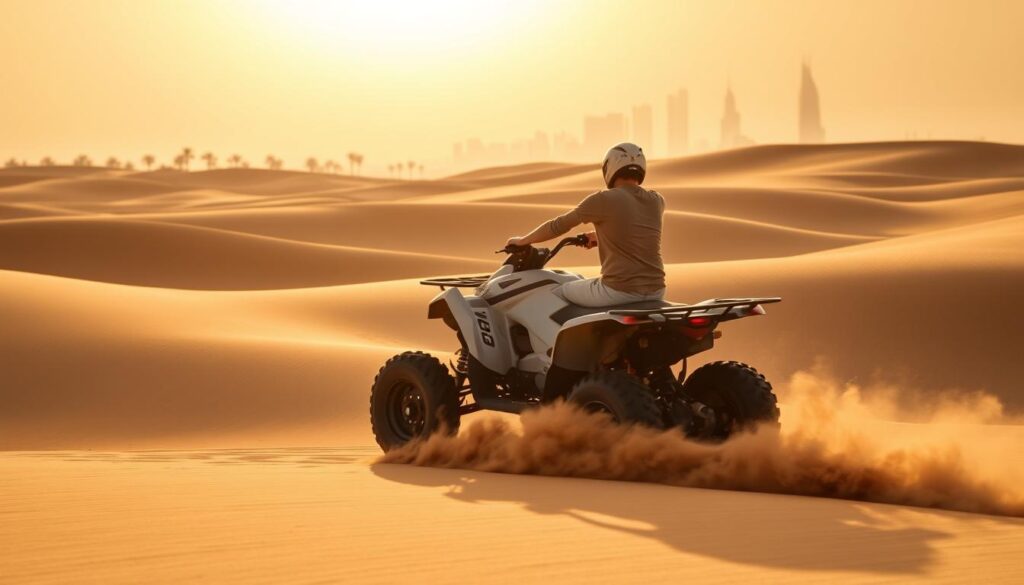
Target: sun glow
401,27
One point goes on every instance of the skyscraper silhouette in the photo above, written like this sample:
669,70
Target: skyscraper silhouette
730,121
811,130
678,122
643,127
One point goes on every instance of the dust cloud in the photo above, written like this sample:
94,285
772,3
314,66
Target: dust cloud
837,440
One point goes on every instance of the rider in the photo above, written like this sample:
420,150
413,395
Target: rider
628,222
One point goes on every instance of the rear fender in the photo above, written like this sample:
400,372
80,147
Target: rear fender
484,330
587,343
584,343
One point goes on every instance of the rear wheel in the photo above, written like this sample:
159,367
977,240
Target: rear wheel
413,396
739,395
622,397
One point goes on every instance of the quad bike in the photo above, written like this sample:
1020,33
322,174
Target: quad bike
522,345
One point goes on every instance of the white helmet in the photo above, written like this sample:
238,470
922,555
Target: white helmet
624,160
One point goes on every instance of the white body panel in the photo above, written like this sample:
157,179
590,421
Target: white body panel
526,298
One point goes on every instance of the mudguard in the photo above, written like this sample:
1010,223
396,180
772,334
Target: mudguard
585,342
484,329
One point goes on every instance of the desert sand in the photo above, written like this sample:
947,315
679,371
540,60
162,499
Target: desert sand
187,359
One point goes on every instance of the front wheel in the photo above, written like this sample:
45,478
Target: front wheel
619,395
739,395
413,396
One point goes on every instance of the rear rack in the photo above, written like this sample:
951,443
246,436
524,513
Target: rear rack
457,281
722,307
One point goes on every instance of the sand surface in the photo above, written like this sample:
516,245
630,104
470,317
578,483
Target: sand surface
237,317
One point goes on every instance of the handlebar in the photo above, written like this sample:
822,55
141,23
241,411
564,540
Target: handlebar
577,240
530,258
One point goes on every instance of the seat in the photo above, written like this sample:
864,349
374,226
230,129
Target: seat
569,312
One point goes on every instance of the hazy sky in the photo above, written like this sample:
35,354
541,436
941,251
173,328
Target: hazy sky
401,80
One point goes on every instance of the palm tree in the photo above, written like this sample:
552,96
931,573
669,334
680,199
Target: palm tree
421,171
148,160
359,163
46,162
351,162
211,160
128,166
11,163
179,162
412,165
186,157
113,163
235,160
82,161
391,170
312,164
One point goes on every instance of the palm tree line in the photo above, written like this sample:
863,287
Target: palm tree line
397,168
182,161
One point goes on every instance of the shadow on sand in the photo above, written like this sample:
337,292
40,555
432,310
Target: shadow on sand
750,528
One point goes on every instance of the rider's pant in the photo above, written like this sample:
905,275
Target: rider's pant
591,292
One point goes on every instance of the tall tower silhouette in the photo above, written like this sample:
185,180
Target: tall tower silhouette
731,135
811,130
678,122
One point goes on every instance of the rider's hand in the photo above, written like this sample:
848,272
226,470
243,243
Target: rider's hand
518,241
591,240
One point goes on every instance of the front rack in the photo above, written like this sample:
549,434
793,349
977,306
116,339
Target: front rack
457,281
721,307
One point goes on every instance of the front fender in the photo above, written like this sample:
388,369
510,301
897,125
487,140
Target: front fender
483,329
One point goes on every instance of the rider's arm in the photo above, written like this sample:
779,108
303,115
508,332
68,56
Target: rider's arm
550,229
589,210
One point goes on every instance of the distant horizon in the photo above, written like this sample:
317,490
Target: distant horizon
5,164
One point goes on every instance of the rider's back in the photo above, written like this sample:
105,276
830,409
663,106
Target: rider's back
628,221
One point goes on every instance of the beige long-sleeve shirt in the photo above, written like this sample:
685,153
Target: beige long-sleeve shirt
628,224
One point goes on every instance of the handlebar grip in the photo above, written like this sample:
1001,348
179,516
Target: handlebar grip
511,249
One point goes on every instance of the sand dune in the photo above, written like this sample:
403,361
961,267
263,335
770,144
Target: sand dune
249,308
928,161
845,167
11,177
887,307
257,181
841,212
155,254
29,210
893,328
468,229
94,192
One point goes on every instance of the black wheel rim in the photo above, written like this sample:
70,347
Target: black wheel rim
407,410
596,407
724,412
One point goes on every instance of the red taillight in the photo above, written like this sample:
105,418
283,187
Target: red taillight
698,321
628,320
